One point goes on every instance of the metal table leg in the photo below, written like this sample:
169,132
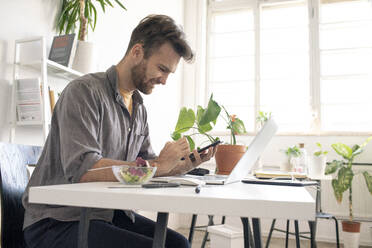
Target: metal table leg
297,233
257,232
192,227
160,230
84,228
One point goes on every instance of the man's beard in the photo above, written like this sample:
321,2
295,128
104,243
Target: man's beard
138,78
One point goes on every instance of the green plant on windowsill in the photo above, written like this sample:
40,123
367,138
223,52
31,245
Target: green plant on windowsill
345,175
320,151
262,118
190,124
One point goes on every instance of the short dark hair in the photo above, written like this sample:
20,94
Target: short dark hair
155,30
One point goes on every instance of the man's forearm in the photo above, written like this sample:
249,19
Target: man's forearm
103,175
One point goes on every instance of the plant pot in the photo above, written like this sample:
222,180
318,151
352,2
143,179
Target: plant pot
317,166
84,60
351,234
227,156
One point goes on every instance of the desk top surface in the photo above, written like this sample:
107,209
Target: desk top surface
237,199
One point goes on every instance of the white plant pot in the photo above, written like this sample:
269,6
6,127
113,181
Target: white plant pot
317,166
84,60
351,234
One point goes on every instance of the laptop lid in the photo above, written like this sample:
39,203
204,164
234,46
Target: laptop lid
255,149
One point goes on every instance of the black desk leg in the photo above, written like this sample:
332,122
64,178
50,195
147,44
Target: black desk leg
84,228
297,233
246,231
257,232
193,222
312,226
160,230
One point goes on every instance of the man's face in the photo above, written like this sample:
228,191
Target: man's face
155,69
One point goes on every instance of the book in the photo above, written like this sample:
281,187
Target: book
28,99
268,174
63,49
183,180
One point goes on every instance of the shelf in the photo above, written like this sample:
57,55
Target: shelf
29,123
53,69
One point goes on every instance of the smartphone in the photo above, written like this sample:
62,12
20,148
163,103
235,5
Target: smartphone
191,156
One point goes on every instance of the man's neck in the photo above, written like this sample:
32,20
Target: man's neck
124,76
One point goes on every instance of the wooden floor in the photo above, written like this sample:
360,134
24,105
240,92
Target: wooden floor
274,243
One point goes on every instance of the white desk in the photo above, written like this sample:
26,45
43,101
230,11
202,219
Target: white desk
238,199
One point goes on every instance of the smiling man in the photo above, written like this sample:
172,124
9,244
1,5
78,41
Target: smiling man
100,121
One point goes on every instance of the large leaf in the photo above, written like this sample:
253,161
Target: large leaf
333,166
211,113
176,136
238,126
368,179
366,142
343,150
185,121
345,178
204,128
337,191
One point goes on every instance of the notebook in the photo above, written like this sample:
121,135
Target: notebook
241,169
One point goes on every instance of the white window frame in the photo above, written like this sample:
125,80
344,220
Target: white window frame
314,56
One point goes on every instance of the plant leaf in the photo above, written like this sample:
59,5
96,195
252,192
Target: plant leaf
185,121
333,166
120,4
102,5
345,178
205,128
368,179
336,190
191,142
238,126
366,142
343,150
211,113
176,136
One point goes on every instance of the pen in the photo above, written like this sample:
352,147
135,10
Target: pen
197,189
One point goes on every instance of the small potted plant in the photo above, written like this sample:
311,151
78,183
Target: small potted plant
228,155
343,182
82,13
293,153
319,159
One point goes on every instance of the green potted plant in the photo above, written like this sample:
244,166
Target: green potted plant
319,160
190,124
82,13
292,153
343,182
262,118
228,155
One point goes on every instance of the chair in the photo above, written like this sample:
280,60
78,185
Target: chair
13,181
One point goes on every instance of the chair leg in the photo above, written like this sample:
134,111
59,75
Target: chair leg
270,233
337,233
312,226
192,227
286,234
210,223
297,234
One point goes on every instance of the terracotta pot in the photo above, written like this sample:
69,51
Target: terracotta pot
227,156
351,233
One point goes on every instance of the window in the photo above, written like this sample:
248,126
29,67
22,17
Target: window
308,63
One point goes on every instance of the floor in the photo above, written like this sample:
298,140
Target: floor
274,243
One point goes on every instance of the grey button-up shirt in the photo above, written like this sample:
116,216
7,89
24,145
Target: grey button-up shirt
90,122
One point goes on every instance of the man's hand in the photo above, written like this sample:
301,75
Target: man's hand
183,166
170,156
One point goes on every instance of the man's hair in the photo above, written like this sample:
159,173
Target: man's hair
155,30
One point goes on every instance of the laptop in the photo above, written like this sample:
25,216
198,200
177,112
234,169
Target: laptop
241,169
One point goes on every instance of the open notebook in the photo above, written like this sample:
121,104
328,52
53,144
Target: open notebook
242,168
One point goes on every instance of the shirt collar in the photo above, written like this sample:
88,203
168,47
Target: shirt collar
112,76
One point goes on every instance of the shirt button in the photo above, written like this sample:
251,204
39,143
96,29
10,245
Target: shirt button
129,129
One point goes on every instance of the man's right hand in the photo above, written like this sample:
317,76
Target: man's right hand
170,155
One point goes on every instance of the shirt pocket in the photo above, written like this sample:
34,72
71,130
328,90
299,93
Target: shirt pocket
136,144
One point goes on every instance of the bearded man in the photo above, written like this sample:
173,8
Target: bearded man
100,121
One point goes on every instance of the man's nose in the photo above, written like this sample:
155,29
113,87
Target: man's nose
163,79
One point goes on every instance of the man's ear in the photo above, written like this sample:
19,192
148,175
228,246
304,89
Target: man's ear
137,52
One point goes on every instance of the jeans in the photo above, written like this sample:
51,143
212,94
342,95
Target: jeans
122,232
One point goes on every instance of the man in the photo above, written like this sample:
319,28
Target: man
100,121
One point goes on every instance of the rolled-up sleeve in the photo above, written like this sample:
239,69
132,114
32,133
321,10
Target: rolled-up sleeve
79,125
